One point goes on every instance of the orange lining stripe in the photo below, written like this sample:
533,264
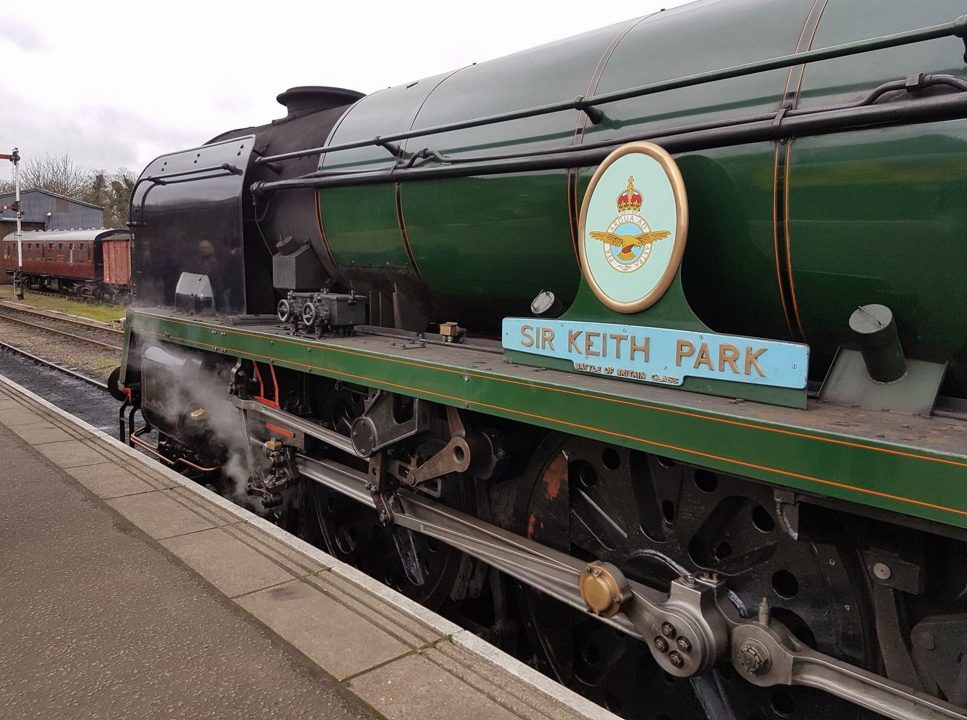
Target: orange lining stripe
775,239
643,441
775,178
785,205
809,45
802,34
578,393
785,227
404,235
322,230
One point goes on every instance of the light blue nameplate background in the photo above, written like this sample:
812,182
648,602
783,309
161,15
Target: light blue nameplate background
659,355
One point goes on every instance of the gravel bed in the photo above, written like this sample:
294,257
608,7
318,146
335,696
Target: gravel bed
86,359
65,325
76,397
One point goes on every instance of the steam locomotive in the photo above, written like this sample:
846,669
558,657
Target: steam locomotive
646,350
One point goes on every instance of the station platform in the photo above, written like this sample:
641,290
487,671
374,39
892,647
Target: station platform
129,591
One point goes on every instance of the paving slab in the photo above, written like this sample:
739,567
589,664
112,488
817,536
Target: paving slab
352,633
71,453
109,480
416,688
16,415
341,641
42,432
231,565
215,514
278,552
160,515
97,622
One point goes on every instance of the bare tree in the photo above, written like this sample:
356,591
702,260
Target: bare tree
58,175
116,209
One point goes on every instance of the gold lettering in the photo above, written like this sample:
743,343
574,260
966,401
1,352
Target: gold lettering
547,338
617,344
683,349
527,332
728,354
572,340
751,359
642,348
704,357
587,344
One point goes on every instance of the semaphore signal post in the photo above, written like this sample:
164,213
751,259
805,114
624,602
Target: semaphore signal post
14,157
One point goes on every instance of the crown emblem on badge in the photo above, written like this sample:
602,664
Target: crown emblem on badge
630,199
633,248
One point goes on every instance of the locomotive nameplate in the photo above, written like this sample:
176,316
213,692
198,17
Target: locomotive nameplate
633,225
659,355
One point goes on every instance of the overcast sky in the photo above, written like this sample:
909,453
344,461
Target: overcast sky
117,83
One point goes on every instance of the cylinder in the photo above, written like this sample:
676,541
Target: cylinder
874,330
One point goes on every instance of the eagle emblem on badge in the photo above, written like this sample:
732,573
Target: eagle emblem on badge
628,239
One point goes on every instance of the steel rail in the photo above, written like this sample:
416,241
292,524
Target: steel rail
64,333
53,365
59,316
955,28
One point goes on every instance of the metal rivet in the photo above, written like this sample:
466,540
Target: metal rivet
683,644
676,659
661,644
668,630
882,571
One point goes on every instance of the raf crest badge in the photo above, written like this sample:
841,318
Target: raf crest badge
630,258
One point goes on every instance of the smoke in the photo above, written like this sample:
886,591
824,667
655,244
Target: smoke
190,402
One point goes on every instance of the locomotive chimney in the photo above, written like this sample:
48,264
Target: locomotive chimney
313,98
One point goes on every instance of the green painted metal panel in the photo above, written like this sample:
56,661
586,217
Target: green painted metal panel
849,79
466,233
729,270
697,38
361,225
898,199
826,462
363,234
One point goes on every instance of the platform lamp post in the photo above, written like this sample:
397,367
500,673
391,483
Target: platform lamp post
14,157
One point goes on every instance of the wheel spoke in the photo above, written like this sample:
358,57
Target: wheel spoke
656,519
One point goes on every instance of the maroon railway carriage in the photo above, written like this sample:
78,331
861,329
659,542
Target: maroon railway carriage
94,263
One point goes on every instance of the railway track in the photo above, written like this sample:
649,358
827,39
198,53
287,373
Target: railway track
64,325
54,366
85,350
